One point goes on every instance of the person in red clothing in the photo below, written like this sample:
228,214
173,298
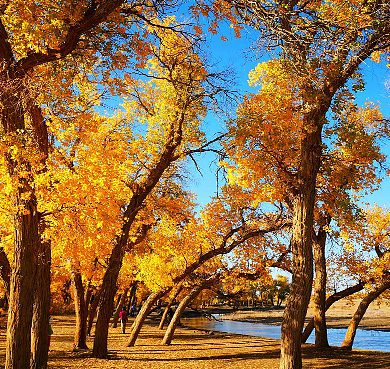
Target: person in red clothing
123,318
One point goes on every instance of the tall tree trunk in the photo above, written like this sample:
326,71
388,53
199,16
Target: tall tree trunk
301,245
329,302
26,239
110,278
92,311
88,295
5,271
132,297
299,297
319,292
361,310
41,315
108,289
42,296
23,278
170,302
183,305
80,335
120,304
143,313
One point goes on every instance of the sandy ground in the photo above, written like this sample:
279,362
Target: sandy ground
339,315
192,349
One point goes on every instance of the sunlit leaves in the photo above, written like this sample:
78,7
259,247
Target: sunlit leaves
100,162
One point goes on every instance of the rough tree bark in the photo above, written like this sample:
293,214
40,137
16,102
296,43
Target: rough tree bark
361,310
26,243
301,244
22,287
143,313
319,291
5,271
41,315
108,286
329,302
80,334
106,300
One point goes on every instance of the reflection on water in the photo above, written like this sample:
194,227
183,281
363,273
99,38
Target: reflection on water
365,339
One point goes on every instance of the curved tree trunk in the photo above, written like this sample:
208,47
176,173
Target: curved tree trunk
170,302
119,308
183,305
319,292
329,302
80,336
106,302
143,313
108,287
92,311
41,315
360,311
178,313
140,193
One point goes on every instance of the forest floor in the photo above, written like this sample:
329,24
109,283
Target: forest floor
198,349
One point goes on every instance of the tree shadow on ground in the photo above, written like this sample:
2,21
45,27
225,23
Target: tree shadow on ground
335,357
270,354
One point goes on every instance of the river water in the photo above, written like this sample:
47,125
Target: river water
365,339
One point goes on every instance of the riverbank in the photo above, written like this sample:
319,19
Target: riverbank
339,315
192,349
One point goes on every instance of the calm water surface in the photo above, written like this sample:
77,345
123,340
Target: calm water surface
365,339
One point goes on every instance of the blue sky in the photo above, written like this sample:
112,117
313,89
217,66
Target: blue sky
234,53
231,54
376,76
